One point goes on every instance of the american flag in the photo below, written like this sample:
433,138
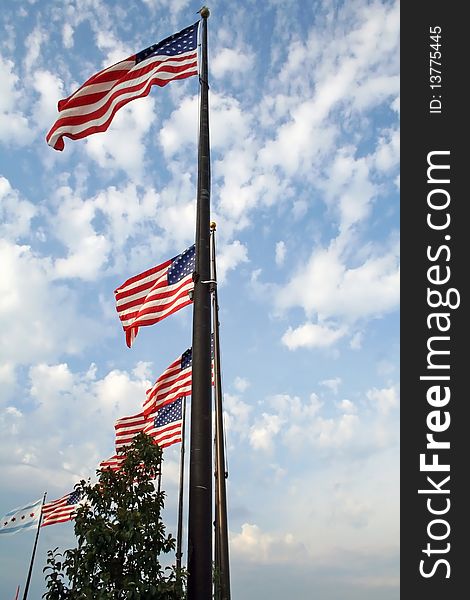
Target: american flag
114,462
148,298
166,427
127,428
61,510
92,107
173,383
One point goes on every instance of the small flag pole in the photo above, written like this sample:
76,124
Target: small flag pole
222,563
179,534
200,459
159,480
28,579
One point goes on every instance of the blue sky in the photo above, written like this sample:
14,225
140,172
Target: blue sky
304,100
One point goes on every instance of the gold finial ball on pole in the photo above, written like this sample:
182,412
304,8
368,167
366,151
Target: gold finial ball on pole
204,12
213,225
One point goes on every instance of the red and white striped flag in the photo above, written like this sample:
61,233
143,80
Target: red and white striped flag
92,107
159,426
127,428
114,462
61,510
148,298
167,425
173,383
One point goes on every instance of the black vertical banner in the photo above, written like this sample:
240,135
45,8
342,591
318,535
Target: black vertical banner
435,324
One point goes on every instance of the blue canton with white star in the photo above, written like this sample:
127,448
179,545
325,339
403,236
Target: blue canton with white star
182,265
74,497
186,358
178,43
169,413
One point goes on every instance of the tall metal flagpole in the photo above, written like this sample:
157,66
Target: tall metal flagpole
179,534
200,461
222,562
25,595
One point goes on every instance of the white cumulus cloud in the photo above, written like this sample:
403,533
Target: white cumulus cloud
312,335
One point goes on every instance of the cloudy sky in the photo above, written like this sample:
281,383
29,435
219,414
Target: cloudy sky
304,105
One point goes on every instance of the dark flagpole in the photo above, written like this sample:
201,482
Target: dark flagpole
25,595
179,534
217,561
200,460
159,480
222,563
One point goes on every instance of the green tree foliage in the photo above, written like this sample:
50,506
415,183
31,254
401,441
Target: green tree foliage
120,536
